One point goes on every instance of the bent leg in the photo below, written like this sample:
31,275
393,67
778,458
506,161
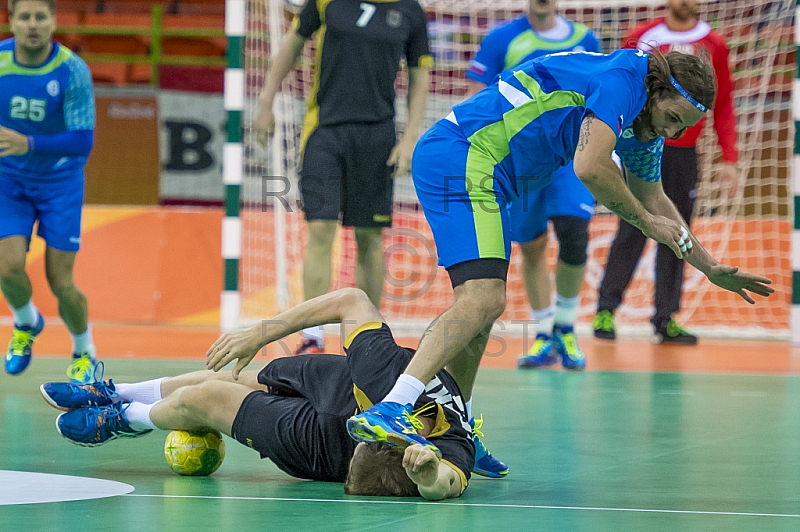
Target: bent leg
213,404
14,281
535,274
72,306
247,378
478,303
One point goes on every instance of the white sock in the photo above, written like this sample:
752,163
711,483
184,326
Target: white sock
147,392
543,319
26,315
468,404
566,311
406,390
83,342
314,333
138,416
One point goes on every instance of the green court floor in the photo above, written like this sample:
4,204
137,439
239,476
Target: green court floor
593,451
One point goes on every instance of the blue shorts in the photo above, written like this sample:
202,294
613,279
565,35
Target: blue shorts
454,184
56,205
564,196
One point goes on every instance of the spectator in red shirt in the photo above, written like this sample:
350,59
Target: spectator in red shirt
680,30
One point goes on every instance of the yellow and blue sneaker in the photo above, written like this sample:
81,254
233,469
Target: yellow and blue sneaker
485,464
20,348
540,354
68,397
391,423
83,367
567,347
91,427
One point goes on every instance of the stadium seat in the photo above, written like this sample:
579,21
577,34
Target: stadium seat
68,18
194,46
118,73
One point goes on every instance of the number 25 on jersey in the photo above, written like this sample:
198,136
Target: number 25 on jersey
27,109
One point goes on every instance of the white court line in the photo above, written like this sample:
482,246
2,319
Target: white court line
748,394
459,505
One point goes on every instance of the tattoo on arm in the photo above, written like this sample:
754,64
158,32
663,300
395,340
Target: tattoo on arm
583,136
624,213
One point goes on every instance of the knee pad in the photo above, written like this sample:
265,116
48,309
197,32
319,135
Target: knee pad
573,238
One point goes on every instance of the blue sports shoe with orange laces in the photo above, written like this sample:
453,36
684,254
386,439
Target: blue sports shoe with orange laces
391,423
485,464
540,354
20,348
68,397
567,347
90,427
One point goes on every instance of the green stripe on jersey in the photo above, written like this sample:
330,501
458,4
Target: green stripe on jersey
490,145
527,42
7,65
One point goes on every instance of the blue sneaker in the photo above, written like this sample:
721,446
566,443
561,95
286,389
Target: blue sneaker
540,354
91,427
83,367
485,464
391,423
20,348
566,345
68,397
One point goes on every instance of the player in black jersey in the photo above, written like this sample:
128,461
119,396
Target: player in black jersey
348,141
294,411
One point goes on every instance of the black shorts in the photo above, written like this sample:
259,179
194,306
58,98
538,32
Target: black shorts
376,361
344,172
301,423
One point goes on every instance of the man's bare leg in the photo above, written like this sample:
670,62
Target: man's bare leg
478,302
246,378
213,403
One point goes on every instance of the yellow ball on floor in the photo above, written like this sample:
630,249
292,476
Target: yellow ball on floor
196,452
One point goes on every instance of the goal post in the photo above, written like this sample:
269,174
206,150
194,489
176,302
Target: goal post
753,230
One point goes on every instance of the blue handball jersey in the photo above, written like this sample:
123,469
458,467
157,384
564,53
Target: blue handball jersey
515,42
528,122
54,97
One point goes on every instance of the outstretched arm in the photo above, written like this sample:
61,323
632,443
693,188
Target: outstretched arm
349,306
435,479
656,201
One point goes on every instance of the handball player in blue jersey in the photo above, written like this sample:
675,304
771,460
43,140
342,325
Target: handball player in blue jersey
565,201
47,119
506,141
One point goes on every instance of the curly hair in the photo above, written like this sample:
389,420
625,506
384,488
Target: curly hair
377,470
691,72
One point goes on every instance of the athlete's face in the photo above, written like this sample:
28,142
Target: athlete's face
542,8
682,10
32,24
666,118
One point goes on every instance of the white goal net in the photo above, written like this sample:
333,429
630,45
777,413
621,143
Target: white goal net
751,230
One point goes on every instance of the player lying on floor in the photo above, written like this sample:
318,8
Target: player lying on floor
294,411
